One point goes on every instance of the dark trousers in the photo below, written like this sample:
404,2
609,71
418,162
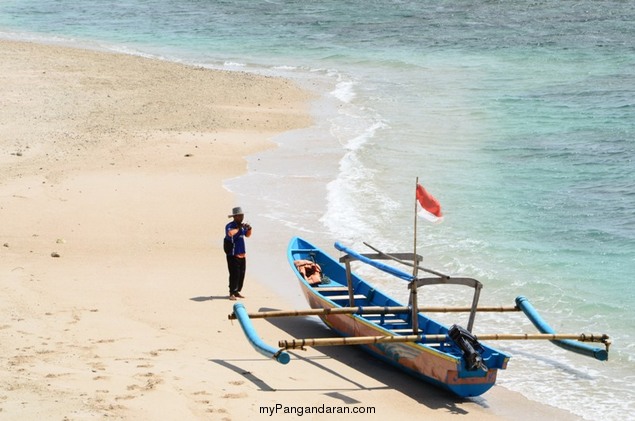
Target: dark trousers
237,266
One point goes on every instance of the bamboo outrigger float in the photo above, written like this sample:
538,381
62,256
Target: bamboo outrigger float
403,335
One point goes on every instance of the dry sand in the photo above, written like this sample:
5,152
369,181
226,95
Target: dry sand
113,286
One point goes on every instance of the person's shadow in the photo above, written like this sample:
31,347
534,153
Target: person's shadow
210,298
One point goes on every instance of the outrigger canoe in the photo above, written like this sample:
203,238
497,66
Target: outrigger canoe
442,363
452,358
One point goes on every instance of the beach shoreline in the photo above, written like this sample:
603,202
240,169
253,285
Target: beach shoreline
113,277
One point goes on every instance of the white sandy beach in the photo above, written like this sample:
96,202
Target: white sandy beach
113,285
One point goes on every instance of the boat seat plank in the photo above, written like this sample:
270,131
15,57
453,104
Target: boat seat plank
331,289
388,318
345,297
406,331
389,321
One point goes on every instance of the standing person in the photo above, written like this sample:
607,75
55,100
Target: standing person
234,246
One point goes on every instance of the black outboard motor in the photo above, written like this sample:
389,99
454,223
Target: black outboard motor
470,347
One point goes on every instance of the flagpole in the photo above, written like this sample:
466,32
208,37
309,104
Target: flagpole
414,271
413,284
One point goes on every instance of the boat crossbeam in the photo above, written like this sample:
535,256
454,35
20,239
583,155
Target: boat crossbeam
365,310
441,338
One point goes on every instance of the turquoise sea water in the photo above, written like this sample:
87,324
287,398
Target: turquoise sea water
518,116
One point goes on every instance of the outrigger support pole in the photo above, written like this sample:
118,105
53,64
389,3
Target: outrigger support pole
268,351
470,282
349,284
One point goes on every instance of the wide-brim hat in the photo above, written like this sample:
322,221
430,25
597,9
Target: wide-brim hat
236,211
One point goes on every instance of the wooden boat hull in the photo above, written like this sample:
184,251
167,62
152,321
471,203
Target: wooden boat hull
440,364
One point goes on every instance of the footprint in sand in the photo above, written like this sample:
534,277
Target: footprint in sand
152,380
157,352
145,366
220,410
97,366
234,395
202,393
56,375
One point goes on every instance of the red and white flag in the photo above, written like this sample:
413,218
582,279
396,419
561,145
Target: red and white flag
427,206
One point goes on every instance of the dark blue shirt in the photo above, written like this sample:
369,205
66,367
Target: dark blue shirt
238,240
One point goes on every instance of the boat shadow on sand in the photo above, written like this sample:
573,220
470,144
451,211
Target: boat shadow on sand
357,359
